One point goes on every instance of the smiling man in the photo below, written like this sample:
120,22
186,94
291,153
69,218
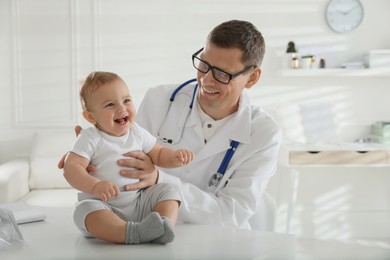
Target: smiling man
236,144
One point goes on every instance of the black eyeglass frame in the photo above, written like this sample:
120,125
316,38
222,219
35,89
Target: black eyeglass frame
212,68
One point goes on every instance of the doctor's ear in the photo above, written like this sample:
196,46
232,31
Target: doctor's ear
89,117
253,78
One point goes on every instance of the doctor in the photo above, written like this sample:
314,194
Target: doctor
206,116
236,144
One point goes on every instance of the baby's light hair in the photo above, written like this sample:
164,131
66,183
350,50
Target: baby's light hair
94,81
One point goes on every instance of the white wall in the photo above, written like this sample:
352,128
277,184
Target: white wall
47,47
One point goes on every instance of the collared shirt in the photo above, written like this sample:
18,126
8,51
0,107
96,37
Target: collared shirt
209,125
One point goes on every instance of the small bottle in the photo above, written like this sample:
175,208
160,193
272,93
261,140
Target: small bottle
294,63
322,64
313,62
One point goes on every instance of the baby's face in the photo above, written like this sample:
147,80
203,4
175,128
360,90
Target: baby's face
112,108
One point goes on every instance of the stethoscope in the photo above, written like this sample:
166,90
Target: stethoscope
216,177
171,99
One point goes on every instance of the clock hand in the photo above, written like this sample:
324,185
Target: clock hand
350,10
342,12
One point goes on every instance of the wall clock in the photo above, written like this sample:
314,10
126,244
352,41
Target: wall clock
344,16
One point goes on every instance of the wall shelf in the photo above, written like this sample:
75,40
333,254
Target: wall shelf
337,72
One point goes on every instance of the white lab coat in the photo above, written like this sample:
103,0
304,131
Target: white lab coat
239,193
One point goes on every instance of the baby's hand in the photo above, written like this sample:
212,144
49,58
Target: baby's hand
183,157
105,190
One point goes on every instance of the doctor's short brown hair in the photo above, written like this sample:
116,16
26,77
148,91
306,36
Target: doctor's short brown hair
242,35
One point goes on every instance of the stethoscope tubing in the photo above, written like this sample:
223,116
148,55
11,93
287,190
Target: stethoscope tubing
216,177
174,93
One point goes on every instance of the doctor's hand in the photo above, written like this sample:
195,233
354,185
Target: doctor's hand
60,165
144,170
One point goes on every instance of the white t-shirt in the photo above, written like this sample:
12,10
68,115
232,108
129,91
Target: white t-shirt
209,125
103,151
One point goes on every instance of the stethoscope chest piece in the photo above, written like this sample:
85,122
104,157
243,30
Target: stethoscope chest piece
215,179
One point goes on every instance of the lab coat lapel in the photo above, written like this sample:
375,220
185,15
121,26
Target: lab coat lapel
238,128
216,144
195,123
241,123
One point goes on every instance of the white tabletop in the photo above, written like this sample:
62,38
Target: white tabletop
57,238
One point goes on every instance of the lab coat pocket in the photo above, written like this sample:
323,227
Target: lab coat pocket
213,179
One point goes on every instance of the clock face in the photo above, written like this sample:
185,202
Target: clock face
344,15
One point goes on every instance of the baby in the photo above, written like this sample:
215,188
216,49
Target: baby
105,210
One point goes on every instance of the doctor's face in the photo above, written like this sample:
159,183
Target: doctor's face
217,99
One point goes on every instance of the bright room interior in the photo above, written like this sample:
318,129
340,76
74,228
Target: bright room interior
338,207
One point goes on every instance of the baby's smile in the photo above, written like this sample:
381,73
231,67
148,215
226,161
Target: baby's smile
122,120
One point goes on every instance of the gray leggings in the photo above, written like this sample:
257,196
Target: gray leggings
140,204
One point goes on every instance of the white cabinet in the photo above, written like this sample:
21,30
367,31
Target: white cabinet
334,190
337,72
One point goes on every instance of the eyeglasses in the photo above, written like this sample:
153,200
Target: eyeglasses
219,75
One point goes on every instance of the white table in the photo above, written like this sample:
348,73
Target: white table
295,156
57,238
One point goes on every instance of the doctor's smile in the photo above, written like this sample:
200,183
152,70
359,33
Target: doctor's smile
209,91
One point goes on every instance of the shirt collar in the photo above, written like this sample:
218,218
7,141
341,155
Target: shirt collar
239,125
